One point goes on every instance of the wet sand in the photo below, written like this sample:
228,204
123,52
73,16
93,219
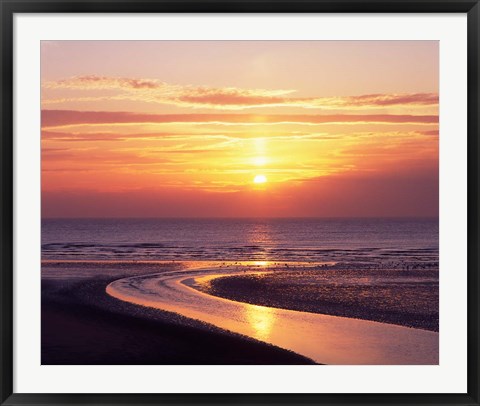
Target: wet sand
406,298
81,325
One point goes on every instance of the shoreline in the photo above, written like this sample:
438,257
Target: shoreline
413,305
82,325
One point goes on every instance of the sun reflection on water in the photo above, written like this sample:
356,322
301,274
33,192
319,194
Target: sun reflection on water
260,236
261,319
261,263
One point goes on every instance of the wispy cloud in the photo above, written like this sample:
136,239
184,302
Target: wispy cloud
223,98
103,82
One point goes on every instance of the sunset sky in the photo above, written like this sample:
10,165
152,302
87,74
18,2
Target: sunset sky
183,128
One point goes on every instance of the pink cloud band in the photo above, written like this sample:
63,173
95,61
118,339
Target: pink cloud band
57,118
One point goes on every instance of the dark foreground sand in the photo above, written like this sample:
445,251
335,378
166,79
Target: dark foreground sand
81,325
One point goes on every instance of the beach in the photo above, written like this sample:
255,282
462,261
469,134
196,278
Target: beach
82,325
124,312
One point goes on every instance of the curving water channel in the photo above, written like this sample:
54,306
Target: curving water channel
323,338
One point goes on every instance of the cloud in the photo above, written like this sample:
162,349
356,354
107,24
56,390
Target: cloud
109,136
224,98
430,132
383,100
64,136
90,82
61,118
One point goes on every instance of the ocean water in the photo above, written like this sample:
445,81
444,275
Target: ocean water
401,243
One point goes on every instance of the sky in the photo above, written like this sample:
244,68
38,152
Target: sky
239,128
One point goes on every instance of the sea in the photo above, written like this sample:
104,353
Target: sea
399,242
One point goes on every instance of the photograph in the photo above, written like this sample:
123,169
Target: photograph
239,202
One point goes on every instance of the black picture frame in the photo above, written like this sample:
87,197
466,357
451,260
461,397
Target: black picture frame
9,8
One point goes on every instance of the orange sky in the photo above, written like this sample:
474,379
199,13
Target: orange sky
182,128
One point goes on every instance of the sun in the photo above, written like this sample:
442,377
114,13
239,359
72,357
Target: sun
259,179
